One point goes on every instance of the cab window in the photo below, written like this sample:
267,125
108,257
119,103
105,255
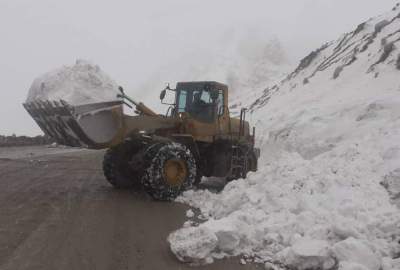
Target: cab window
202,104
182,101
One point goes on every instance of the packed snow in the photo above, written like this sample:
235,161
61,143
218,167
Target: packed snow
79,84
323,196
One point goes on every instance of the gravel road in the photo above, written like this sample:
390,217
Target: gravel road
58,212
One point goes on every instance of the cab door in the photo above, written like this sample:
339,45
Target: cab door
199,113
223,118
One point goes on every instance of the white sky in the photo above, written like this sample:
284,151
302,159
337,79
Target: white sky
131,39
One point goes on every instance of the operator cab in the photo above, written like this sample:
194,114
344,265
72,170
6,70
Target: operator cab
203,101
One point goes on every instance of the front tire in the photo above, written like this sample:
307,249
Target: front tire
169,170
117,168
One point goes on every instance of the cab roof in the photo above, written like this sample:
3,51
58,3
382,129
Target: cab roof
201,84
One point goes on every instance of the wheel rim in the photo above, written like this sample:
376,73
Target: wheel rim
175,172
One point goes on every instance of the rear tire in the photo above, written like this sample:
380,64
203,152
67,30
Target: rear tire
169,170
116,167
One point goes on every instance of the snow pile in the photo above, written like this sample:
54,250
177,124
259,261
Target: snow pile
80,84
329,135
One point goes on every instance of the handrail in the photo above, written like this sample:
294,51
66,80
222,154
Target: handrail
242,121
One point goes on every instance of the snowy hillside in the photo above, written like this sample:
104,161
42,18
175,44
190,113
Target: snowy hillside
323,197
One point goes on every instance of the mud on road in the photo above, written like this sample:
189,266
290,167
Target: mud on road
58,212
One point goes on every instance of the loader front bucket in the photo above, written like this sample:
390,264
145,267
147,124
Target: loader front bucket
94,125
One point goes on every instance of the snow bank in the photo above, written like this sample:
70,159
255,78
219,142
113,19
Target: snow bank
80,84
330,150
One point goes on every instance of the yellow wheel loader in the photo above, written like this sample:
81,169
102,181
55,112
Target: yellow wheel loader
162,154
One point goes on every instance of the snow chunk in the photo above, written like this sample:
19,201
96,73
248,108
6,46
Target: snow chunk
80,84
193,244
351,266
228,240
389,264
189,213
352,252
308,254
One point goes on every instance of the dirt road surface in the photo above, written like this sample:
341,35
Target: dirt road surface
58,212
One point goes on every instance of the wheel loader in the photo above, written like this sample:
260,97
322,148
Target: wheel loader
162,154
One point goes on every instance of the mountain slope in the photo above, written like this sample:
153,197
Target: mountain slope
371,47
323,197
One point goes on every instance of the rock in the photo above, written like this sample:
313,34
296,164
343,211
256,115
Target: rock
387,49
380,25
359,28
337,72
353,253
306,61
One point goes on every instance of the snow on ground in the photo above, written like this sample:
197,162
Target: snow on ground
35,152
79,84
322,197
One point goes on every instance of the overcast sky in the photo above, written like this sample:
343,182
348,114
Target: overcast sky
131,39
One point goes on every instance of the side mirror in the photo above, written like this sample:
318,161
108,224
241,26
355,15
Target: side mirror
162,94
121,90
